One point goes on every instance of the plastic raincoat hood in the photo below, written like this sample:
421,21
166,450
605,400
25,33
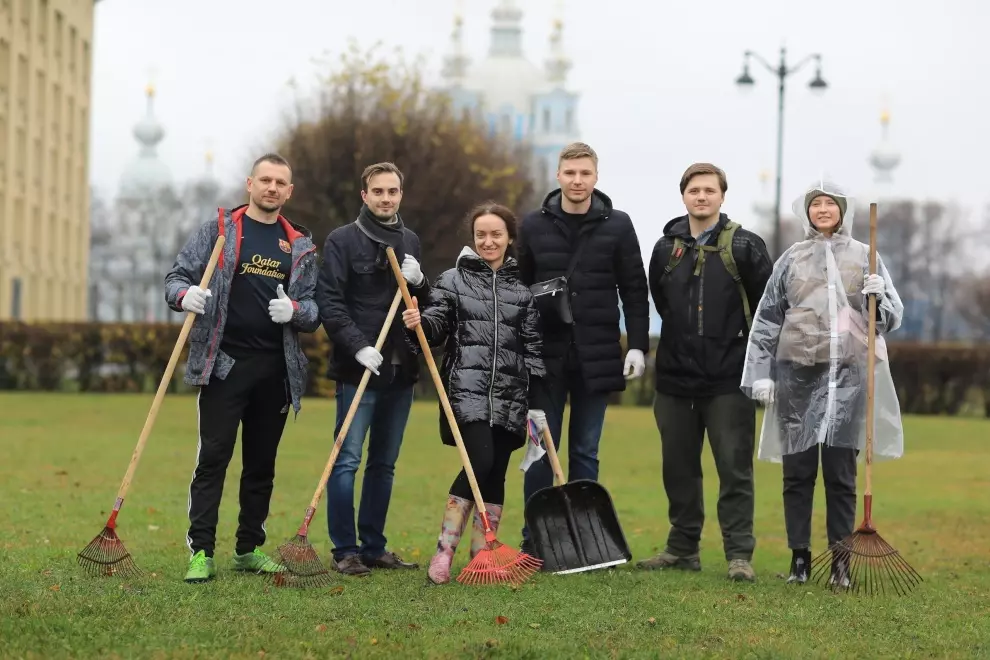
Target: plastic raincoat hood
809,337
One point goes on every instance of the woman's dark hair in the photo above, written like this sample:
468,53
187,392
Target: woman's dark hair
493,208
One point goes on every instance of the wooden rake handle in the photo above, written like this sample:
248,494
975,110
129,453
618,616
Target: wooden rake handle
167,376
871,341
345,427
438,383
554,461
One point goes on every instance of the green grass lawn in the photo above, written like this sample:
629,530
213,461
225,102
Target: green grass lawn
64,457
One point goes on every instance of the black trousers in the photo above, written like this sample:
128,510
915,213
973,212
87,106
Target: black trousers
489,449
799,407
839,475
255,396
730,421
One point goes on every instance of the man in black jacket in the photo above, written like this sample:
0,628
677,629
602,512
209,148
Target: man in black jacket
354,292
705,308
583,354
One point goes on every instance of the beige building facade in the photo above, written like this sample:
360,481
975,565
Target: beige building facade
45,67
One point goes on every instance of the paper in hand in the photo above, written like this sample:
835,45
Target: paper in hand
534,448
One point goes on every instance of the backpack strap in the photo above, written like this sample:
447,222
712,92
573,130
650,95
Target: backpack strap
676,253
724,247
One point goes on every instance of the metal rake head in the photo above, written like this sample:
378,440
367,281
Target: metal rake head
106,556
864,563
497,563
301,564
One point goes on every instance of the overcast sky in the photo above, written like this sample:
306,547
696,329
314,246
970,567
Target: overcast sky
656,81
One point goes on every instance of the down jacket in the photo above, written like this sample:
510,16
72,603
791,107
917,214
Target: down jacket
489,327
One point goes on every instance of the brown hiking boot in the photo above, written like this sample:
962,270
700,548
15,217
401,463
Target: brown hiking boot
350,565
666,560
741,569
389,560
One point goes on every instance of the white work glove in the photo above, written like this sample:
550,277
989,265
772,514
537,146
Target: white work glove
873,284
534,447
195,299
539,418
635,364
370,359
411,271
280,308
763,391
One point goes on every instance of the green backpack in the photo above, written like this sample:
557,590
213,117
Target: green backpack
724,248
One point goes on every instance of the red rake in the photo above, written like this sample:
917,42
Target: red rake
864,561
106,555
496,563
300,561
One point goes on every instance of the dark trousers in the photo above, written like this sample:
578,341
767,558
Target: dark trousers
730,420
839,475
584,432
255,396
489,449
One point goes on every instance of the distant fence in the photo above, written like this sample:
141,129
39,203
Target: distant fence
931,379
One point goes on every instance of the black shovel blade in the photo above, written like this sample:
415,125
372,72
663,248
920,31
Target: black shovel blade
574,528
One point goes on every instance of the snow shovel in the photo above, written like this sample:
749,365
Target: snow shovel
573,526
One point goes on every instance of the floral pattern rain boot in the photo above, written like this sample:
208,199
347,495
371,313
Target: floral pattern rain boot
478,542
455,520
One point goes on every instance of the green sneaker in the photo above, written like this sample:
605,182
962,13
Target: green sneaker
257,562
201,568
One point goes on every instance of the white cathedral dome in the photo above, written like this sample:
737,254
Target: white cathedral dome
146,173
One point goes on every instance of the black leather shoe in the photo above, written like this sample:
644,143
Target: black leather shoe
388,560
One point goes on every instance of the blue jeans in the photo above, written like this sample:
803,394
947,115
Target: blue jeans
384,413
583,435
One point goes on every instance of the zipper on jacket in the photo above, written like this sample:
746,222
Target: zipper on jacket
701,303
491,385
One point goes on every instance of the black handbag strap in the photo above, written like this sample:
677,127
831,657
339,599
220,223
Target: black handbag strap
582,239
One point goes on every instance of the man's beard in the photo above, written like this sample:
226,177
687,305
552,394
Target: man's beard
267,207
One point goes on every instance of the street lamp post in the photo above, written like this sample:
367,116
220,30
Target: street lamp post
817,85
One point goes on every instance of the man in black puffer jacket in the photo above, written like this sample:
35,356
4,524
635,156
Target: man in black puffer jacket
584,358
699,366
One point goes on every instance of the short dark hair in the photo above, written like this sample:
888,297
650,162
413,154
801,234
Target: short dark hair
493,208
703,168
271,157
380,168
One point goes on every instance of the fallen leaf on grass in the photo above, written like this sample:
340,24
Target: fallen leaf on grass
652,621
491,643
740,596
413,626
61,473
336,591
153,528
374,641
55,587
321,628
501,620
534,625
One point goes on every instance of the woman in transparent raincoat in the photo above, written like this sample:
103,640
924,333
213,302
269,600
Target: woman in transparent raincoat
806,362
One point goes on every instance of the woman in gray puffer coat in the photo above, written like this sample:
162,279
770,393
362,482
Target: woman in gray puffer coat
485,318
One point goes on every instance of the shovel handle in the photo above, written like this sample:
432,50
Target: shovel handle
438,384
552,453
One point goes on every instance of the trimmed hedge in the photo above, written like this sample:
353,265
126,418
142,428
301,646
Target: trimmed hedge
130,357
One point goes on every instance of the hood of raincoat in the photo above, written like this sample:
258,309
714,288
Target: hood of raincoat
825,186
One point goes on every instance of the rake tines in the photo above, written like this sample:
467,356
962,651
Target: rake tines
865,563
301,565
106,556
498,563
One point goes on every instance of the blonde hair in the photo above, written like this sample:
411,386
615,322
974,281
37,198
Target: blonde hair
577,150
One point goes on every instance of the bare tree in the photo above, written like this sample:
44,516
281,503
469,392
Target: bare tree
368,109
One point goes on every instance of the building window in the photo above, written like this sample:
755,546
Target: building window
15,299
